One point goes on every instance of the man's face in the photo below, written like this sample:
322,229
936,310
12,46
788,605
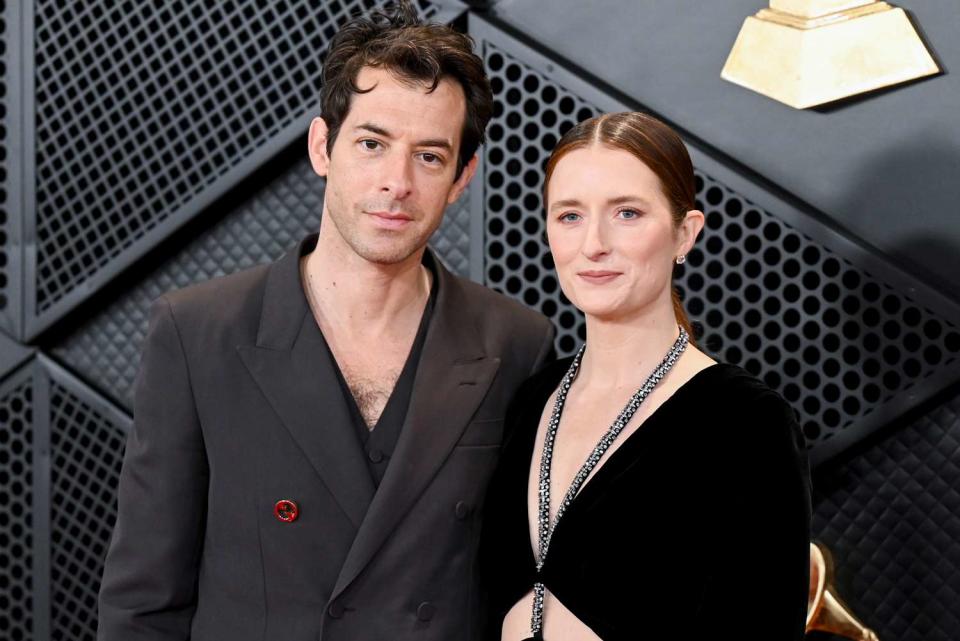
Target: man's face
390,174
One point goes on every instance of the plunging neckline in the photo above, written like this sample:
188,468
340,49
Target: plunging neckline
599,471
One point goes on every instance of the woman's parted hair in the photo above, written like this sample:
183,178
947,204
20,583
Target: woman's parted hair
653,143
413,51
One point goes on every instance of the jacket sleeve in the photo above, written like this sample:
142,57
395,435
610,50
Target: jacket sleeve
149,586
759,582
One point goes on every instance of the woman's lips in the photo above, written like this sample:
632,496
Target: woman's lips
597,276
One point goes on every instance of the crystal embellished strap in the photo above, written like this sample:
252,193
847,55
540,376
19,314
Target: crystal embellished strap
544,528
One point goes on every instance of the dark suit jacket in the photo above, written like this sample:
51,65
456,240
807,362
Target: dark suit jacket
232,413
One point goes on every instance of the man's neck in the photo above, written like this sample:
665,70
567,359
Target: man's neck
350,293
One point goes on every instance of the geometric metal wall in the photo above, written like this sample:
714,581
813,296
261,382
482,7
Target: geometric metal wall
86,450
16,507
118,128
891,512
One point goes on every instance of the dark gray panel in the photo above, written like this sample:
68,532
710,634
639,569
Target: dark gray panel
891,516
16,508
850,342
884,166
87,436
146,112
11,167
451,241
12,354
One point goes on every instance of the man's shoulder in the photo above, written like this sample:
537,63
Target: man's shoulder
230,299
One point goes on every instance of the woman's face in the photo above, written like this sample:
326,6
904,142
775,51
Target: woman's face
611,233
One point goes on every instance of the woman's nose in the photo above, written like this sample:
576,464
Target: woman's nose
595,239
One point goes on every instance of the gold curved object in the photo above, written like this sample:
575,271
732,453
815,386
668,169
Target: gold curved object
825,611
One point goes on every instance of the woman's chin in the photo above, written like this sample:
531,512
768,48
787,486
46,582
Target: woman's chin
605,310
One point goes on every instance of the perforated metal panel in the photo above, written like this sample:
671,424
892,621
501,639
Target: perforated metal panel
891,516
16,507
147,111
5,209
86,453
834,338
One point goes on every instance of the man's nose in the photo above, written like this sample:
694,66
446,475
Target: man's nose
397,179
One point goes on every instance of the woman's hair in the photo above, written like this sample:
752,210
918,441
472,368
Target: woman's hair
412,51
653,143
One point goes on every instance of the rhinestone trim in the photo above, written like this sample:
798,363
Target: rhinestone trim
544,528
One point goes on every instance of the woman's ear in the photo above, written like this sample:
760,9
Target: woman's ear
688,231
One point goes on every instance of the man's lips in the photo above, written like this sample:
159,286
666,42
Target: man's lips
389,219
598,276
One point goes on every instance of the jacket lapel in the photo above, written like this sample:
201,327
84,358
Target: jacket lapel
452,378
293,368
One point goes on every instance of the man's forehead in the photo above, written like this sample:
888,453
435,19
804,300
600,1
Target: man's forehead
398,102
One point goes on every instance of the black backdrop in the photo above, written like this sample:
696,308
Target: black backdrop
145,146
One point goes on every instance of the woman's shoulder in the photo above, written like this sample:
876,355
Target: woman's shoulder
745,409
731,386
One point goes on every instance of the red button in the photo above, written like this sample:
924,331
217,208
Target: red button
287,511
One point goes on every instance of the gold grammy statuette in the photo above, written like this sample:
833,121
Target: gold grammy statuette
810,52
825,611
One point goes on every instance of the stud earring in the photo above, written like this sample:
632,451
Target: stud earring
681,259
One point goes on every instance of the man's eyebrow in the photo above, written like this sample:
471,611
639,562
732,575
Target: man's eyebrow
374,128
437,143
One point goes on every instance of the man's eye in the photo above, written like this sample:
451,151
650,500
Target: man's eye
370,145
432,159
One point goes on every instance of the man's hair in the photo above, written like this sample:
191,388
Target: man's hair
413,51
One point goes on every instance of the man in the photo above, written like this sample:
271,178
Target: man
313,438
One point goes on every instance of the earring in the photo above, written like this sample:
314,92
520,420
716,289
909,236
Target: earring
681,259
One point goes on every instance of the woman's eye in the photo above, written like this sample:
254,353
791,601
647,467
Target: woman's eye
628,214
569,217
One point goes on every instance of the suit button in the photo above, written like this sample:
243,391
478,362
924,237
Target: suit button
426,611
462,510
335,610
375,455
286,510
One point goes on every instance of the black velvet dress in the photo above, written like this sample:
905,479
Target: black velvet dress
697,527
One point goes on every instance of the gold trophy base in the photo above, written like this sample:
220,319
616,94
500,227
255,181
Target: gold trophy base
805,62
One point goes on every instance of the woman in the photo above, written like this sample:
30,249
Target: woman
687,514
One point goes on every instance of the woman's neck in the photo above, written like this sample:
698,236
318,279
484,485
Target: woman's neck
623,352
